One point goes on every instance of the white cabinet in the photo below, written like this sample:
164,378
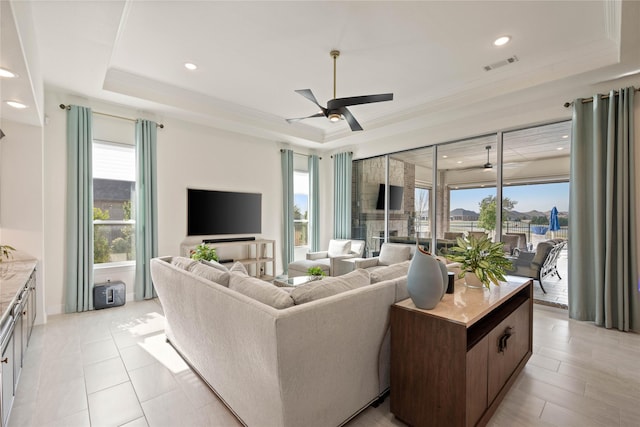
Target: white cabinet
17,307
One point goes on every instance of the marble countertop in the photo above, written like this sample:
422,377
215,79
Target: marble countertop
13,276
468,305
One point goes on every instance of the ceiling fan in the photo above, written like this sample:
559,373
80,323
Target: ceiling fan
336,108
486,167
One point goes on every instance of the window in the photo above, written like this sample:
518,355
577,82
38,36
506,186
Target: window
113,200
301,213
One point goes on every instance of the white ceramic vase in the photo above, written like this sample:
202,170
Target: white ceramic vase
425,280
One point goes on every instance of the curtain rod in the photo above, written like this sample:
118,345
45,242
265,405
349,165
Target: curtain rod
66,107
588,100
350,152
282,150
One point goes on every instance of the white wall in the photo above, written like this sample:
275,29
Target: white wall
21,214
188,156
193,156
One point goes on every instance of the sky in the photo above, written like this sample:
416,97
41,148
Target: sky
540,197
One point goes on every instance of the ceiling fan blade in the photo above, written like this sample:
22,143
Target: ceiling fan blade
357,100
309,95
308,117
353,123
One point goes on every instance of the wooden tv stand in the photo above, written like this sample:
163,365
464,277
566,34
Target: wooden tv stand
453,365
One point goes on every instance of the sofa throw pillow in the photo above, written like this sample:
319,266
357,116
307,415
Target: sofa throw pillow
210,273
393,254
391,272
339,248
330,286
183,262
261,291
239,267
214,264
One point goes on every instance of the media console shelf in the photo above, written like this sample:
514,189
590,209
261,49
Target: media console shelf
259,256
453,365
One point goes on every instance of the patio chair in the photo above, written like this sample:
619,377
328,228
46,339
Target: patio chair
541,263
452,235
522,240
477,234
510,243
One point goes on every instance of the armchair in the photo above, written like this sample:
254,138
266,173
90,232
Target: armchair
338,249
390,253
541,263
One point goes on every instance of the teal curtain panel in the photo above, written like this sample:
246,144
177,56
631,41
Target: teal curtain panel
342,195
603,278
288,231
146,206
79,221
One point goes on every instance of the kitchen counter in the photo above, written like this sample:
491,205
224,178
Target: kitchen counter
13,276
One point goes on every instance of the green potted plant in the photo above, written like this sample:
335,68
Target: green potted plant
482,258
204,252
316,271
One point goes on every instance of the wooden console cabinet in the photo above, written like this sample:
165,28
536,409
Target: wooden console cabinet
452,366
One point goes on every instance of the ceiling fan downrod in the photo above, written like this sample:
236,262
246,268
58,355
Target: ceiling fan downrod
334,116
334,54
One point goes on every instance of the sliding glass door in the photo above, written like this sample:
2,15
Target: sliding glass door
482,186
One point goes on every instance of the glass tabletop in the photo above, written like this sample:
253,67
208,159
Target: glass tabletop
295,281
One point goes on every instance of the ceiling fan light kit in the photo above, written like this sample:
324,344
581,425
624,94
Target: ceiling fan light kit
336,109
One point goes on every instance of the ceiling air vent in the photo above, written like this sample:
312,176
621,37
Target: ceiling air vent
499,64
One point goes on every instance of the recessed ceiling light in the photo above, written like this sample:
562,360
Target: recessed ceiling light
7,73
560,148
16,104
565,136
190,66
444,156
501,41
459,162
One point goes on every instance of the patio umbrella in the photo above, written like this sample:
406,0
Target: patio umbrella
554,224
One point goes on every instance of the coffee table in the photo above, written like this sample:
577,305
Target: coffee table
295,281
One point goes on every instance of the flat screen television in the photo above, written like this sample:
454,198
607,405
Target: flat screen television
395,197
212,212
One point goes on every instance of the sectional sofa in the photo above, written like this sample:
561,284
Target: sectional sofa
311,356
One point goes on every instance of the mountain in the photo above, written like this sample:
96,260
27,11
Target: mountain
460,214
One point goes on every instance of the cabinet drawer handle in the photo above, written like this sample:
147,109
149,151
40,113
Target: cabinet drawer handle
502,342
5,360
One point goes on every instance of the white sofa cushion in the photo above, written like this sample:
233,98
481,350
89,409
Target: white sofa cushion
391,272
259,290
393,254
339,247
183,262
239,267
214,264
330,286
210,273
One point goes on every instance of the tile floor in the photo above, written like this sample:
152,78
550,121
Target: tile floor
113,368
